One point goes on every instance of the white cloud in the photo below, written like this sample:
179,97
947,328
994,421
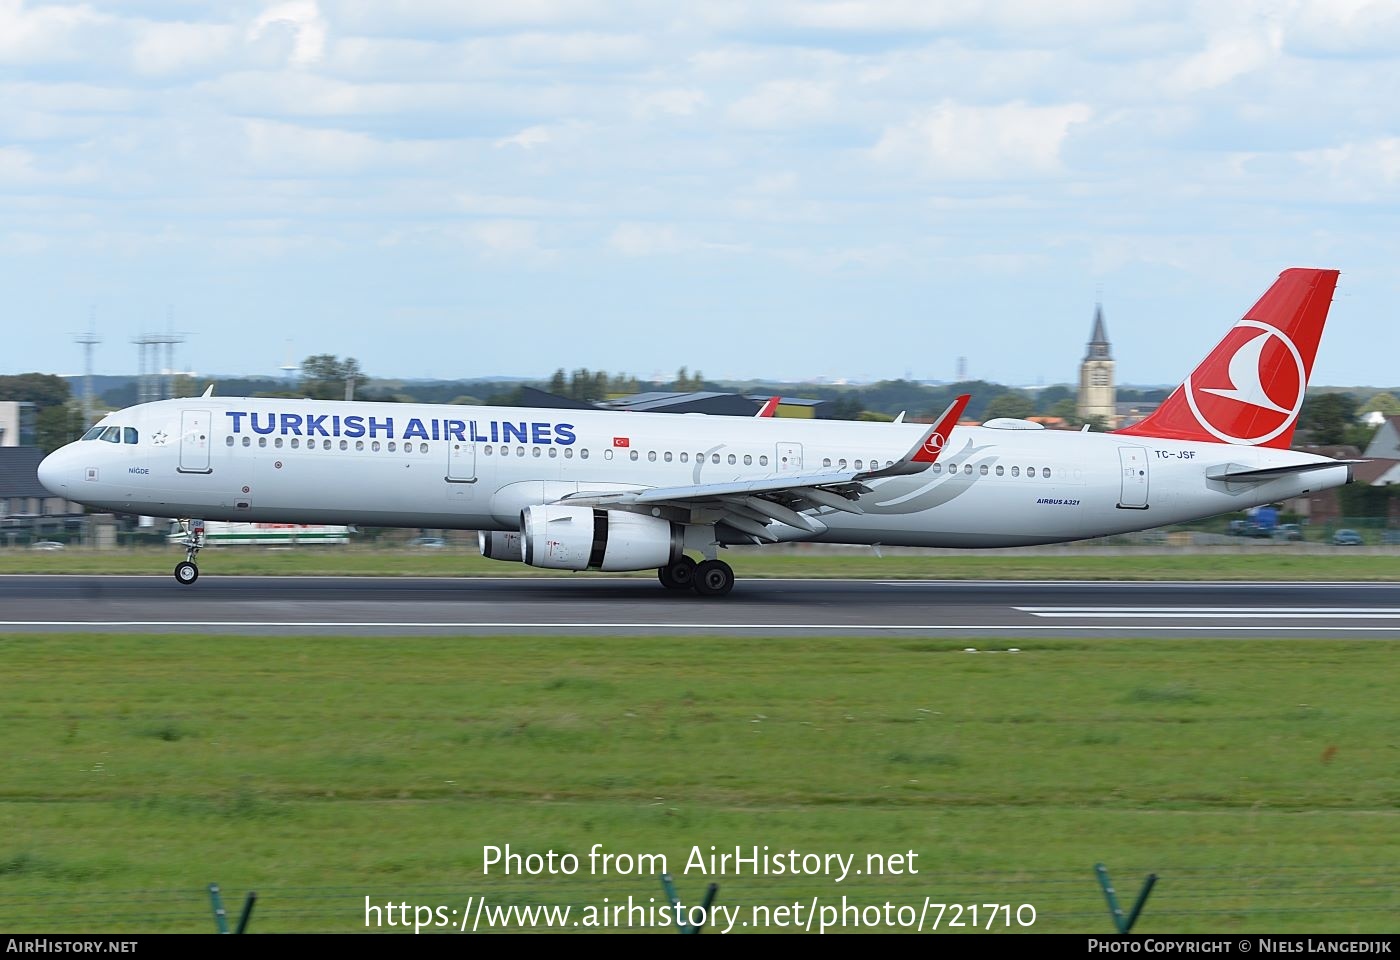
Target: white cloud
783,103
1357,170
674,102
1227,57
506,236
296,23
526,139
1013,141
284,149
164,48
46,33
646,239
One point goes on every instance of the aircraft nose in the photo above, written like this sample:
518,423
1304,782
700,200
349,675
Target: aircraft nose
53,475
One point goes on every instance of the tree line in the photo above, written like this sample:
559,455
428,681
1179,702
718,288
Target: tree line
1327,417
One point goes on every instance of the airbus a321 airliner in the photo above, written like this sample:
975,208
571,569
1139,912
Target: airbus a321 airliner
576,490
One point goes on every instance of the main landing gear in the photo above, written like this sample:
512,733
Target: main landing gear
187,572
709,578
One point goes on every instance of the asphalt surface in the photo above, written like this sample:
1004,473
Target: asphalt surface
600,604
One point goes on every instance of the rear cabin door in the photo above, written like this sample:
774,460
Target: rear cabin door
1133,493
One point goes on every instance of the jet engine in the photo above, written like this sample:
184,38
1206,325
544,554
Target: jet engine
579,538
500,545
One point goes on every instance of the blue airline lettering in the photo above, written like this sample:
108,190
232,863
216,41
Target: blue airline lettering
357,425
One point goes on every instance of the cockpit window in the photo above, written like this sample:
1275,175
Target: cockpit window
112,434
93,434
129,435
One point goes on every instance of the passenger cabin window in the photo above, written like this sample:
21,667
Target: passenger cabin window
1030,471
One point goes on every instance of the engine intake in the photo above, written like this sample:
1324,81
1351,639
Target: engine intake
580,538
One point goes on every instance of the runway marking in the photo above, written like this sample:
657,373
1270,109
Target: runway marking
517,626
1216,613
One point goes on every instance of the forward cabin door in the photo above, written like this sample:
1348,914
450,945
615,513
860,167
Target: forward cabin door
194,441
1133,493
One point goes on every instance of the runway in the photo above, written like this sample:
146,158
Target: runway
604,605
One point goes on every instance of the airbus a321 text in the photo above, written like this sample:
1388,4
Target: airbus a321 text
576,490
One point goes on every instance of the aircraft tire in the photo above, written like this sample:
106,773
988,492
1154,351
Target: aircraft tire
679,575
186,573
714,578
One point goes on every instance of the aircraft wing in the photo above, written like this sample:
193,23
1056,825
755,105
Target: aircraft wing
769,406
750,505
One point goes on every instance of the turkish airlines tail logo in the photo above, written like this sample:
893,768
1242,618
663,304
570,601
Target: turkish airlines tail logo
1250,388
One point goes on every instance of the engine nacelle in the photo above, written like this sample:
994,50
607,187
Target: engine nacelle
577,538
501,545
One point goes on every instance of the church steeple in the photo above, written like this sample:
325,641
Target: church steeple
1098,395
1098,340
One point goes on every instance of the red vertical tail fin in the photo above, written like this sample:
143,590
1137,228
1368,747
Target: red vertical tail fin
1249,389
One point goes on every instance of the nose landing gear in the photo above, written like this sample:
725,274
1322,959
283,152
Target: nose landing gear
187,572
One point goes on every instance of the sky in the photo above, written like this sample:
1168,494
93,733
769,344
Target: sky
781,190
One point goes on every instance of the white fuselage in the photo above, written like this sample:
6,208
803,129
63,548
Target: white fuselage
438,466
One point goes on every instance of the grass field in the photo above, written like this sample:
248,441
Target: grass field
1259,779
1227,563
